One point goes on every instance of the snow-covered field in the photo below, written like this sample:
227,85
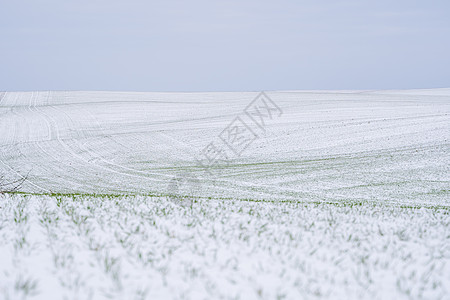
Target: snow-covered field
343,195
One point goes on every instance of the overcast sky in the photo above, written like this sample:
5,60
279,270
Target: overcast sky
242,45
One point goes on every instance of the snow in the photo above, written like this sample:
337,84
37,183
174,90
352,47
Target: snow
344,195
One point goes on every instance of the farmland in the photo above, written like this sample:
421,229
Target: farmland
342,194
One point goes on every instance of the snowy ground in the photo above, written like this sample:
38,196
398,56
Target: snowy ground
345,195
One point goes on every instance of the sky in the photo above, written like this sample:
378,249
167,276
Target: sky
246,45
